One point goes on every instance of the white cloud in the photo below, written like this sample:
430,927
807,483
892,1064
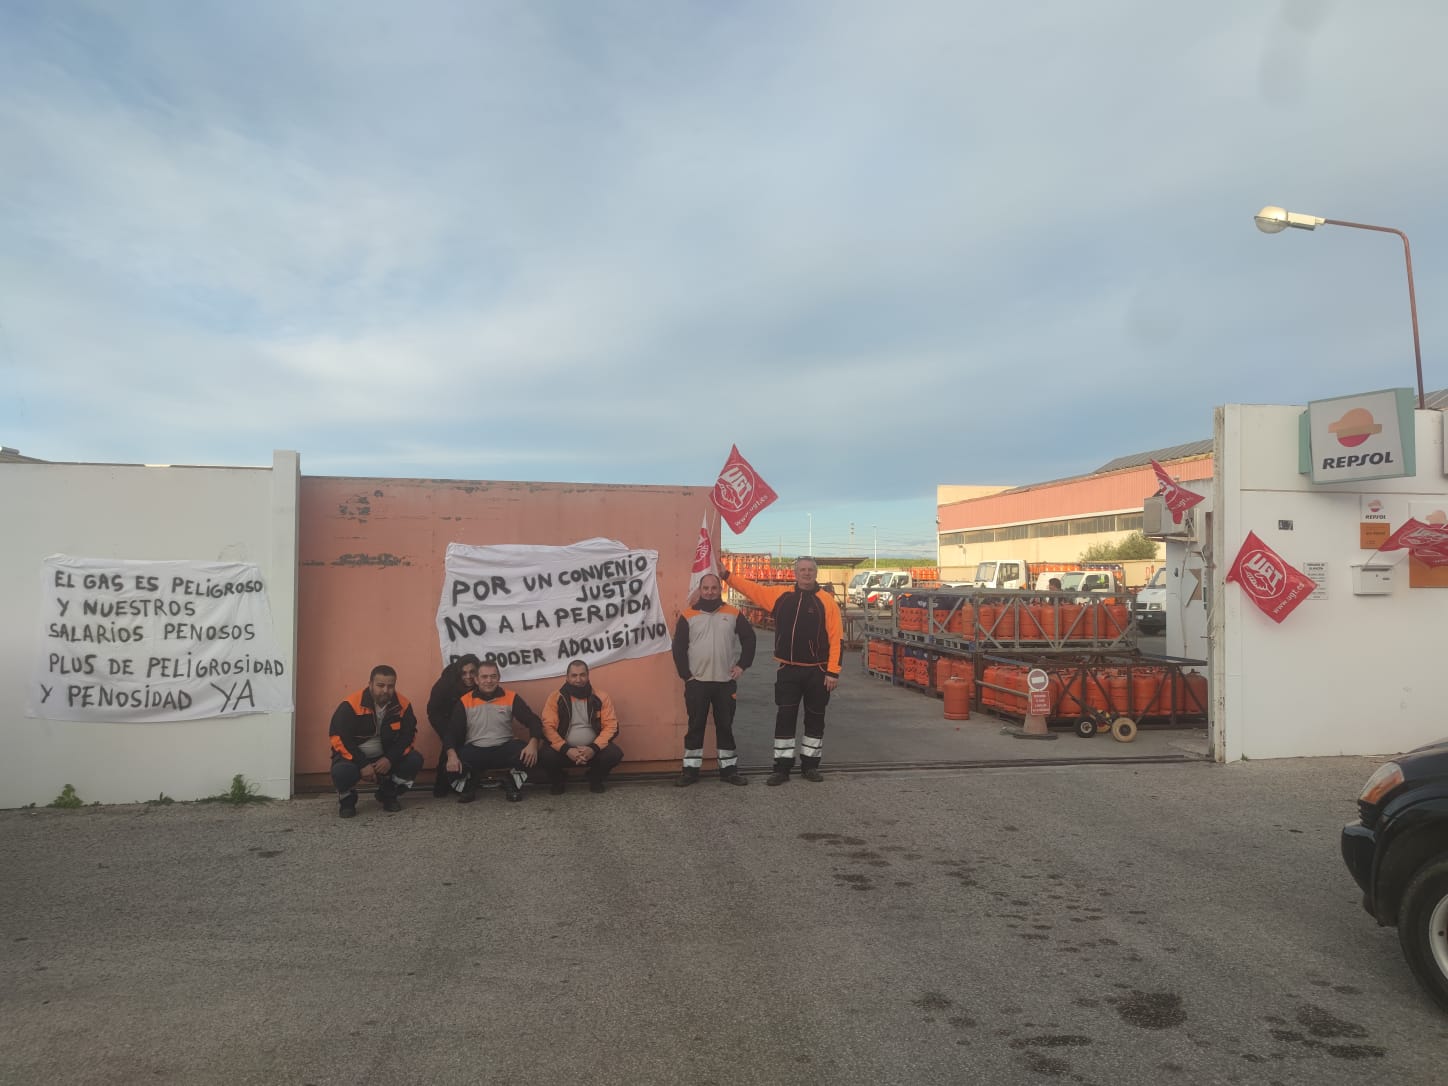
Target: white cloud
879,249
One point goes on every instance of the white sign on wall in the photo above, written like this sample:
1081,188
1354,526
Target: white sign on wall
531,609
1351,438
125,640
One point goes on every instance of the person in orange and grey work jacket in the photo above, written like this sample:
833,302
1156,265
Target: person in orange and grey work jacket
372,734
713,645
808,639
480,737
579,727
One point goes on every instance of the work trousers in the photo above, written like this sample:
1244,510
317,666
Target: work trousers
346,774
505,755
793,686
556,764
699,698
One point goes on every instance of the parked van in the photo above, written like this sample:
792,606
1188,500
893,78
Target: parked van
1151,604
891,581
861,585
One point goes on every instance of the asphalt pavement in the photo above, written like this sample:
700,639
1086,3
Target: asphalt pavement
1176,922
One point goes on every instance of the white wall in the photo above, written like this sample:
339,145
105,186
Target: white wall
1345,675
129,511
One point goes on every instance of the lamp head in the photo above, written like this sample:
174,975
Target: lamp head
1274,220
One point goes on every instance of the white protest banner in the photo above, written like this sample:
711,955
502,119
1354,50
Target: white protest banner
124,640
531,609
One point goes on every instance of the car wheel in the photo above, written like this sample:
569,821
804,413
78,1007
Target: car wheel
1423,927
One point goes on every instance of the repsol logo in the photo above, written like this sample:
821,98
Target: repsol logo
1356,460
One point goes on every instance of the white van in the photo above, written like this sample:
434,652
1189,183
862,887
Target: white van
1151,604
891,581
861,584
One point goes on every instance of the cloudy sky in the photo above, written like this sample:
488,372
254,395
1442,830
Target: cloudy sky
880,247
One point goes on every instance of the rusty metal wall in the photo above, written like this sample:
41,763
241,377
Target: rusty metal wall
372,553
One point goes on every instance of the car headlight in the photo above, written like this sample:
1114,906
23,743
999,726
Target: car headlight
1387,777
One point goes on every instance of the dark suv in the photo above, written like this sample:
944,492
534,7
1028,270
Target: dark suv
1398,853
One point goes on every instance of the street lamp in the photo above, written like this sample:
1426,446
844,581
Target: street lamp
1274,220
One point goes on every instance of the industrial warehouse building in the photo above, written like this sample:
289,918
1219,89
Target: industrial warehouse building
1055,521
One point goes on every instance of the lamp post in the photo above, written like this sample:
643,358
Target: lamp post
811,534
1273,220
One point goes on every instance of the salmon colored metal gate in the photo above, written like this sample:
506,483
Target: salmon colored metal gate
372,553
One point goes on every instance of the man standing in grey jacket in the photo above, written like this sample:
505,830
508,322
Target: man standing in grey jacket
713,645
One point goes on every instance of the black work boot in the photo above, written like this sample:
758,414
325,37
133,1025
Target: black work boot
347,805
732,776
686,778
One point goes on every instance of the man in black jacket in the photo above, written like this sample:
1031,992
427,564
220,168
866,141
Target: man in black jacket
456,679
372,733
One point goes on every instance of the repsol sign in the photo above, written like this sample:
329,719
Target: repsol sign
1357,460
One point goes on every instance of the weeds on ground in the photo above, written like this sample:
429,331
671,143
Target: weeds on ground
160,801
241,792
67,800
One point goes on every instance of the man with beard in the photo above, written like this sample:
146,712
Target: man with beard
371,735
808,639
580,725
481,736
455,681
713,646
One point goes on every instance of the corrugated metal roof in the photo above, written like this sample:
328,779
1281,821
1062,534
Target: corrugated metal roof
1173,452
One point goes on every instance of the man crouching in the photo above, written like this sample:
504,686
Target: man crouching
372,734
480,736
580,725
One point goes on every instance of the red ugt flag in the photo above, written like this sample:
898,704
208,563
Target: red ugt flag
1415,536
1178,498
703,558
1274,586
740,493
1428,543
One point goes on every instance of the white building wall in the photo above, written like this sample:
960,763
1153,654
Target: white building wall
135,512
1344,675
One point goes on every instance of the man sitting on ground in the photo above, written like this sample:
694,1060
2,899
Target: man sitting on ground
481,736
580,725
372,734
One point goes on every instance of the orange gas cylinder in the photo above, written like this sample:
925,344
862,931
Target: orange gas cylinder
963,621
1028,622
1005,625
1046,619
1098,689
1114,619
1117,686
957,699
1195,700
985,616
1145,691
1070,703
1072,628
989,696
1015,701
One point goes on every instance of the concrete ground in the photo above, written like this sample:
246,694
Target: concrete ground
872,724
1115,923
